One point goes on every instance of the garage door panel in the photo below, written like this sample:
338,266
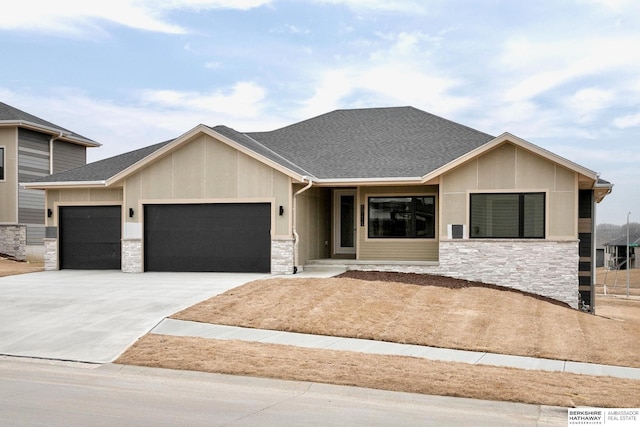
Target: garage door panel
90,237
230,237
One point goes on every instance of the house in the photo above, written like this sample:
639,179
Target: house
30,147
379,188
615,252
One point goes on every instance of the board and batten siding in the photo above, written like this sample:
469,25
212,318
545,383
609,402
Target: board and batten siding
67,156
205,170
33,162
395,249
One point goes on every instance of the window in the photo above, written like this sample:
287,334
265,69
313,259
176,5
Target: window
509,215
1,163
407,217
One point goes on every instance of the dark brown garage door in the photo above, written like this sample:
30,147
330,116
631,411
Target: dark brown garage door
89,237
224,237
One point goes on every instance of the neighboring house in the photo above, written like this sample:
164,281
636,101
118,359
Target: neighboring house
30,148
381,188
615,252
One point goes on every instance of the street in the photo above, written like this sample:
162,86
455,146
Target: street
38,393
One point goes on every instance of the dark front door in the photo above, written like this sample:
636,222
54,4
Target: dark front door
222,237
89,237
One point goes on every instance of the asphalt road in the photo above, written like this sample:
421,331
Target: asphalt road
43,393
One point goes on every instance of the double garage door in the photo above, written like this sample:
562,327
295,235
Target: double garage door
226,237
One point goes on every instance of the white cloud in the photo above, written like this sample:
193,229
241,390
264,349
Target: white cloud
586,103
243,100
537,67
80,17
630,120
409,6
210,4
384,85
149,117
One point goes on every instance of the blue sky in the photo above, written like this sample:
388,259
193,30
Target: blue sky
562,74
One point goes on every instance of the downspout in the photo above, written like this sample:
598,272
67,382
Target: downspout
53,138
296,237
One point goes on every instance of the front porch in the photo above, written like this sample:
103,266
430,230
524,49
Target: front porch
372,265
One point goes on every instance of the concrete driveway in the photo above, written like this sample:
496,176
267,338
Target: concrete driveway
93,316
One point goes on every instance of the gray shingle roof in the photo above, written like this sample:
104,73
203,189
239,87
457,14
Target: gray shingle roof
634,240
372,143
398,142
103,169
9,113
255,146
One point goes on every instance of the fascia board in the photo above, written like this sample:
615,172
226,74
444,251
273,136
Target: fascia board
200,129
155,155
351,182
50,130
63,184
507,137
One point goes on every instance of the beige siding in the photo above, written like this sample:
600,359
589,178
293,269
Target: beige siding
496,169
395,249
314,224
9,187
205,169
512,169
80,196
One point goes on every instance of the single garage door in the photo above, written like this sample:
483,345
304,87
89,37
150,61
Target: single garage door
222,237
89,237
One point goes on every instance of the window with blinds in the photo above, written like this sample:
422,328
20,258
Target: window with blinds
507,215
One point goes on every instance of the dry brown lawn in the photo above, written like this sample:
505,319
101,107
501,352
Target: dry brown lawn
616,282
10,267
468,318
395,373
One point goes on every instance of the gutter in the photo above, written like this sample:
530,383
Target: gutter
53,138
62,184
48,129
296,237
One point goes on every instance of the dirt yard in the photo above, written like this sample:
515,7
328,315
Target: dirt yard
429,310
10,267
453,314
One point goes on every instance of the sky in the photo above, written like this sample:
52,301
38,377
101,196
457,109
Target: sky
561,74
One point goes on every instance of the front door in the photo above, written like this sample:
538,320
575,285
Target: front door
344,221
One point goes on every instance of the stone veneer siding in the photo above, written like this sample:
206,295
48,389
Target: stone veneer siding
282,256
13,241
132,256
542,267
50,254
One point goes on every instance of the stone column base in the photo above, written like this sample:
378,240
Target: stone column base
132,256
282,256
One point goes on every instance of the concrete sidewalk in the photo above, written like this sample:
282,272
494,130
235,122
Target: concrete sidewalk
221,332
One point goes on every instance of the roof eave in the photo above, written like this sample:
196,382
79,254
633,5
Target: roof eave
351,182
63,134
601,190
63,184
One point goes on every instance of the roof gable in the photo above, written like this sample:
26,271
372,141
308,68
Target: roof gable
12,116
